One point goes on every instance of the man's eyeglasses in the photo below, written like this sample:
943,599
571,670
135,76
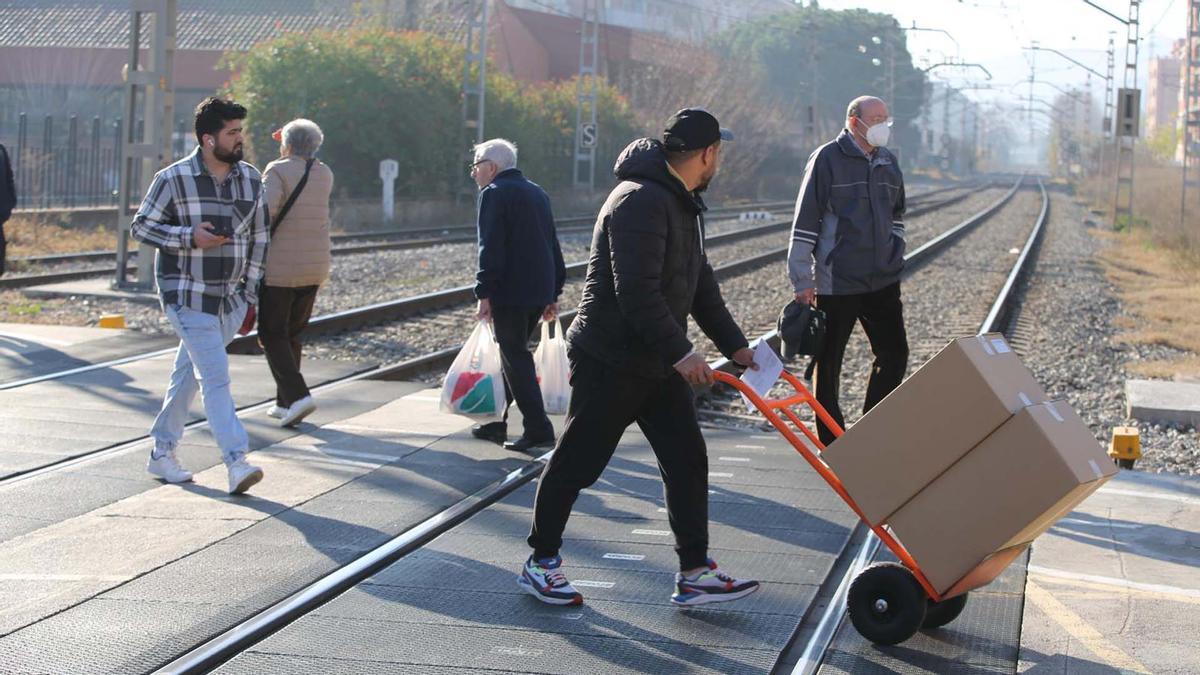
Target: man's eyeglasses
475,165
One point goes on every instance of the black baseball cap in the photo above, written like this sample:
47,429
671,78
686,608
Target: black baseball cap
693,129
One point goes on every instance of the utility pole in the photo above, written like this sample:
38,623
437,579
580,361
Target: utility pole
946,128
585,97
148,149
1191,122
474,88
1032,77
1129,99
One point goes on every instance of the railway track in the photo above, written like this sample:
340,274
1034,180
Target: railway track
380,240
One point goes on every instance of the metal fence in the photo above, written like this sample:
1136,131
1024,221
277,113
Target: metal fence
71,162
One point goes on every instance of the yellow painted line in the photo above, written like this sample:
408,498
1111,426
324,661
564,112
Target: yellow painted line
1081,630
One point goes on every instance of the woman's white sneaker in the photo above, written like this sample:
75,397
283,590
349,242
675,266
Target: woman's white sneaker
276,411
168,468
242,476
298,411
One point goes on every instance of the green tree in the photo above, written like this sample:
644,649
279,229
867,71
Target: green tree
825,58
378,94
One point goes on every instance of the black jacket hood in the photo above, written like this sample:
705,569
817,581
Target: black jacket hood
645,159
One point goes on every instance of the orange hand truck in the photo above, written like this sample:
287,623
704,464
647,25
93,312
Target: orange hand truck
887,602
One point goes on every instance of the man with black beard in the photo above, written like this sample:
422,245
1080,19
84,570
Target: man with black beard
631,360
206,216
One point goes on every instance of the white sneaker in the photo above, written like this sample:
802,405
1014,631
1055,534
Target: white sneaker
168,468
298,411
242,476
276,411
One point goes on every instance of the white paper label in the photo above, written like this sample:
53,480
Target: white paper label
1050,407
761,380
1024,399
986,347
1001,346
624,556
585,583
1096,468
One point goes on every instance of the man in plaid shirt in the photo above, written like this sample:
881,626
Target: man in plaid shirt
206,216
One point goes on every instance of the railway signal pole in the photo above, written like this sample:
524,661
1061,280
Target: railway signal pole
146,147
474,88
585,97
1191,122
1128,122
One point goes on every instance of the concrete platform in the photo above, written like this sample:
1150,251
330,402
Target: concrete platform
1159,401
1115,586
454,606
99,288
127,586
29,350
47,422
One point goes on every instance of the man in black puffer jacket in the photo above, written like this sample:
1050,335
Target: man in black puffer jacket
631,360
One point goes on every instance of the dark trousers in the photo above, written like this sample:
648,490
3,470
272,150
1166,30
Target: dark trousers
514,326
882,316
283,314
604,402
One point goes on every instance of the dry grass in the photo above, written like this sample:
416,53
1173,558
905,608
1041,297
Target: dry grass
1160,286
1156,202
29,236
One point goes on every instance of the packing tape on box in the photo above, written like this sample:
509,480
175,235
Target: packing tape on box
1054,413
1096,468
986,347
1024,399
1000,346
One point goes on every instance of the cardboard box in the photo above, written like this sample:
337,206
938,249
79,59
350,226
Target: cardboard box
1013,486
930,421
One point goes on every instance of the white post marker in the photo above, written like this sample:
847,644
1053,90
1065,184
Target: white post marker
389,169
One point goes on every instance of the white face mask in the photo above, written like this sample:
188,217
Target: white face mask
879,134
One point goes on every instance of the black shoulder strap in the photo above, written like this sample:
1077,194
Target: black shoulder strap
287,206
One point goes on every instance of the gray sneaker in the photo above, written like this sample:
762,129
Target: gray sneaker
168,468
242,476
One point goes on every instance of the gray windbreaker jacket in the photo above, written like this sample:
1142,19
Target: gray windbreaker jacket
848,228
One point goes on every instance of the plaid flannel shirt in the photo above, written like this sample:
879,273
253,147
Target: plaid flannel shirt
182,196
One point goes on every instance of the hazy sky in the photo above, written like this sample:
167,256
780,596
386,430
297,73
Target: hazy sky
992,32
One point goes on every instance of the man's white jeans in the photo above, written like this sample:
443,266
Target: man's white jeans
201,363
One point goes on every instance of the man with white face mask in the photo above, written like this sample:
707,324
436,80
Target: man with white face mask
847,252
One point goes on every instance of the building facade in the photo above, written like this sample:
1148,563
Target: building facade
1162,92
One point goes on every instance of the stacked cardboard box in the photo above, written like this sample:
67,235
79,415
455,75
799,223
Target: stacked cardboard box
967,462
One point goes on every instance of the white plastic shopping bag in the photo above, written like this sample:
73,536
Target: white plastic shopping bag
553,369
475,383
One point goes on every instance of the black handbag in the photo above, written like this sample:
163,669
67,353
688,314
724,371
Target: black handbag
802,331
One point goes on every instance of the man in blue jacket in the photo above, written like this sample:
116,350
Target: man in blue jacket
847,253
521,274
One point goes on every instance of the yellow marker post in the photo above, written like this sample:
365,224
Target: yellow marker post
111,321
1125,447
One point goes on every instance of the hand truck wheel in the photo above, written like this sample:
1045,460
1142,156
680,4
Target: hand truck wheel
1125,463
886,603
938,614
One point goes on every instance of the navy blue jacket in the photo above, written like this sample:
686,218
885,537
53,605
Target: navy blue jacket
520,262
